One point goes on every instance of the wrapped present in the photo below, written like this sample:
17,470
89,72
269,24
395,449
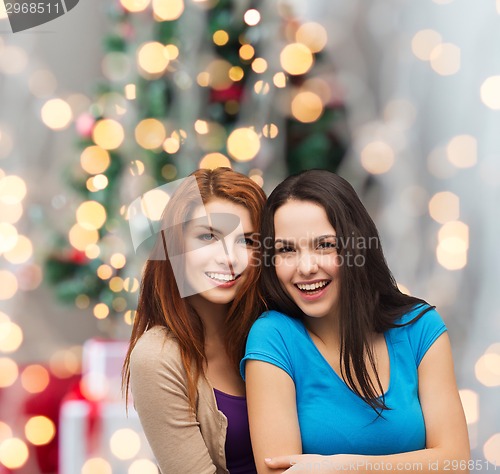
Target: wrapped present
96,434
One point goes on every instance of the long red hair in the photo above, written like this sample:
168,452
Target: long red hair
160,303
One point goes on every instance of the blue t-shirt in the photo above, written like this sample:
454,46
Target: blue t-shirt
332,418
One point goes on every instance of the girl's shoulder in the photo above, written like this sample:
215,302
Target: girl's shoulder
154,346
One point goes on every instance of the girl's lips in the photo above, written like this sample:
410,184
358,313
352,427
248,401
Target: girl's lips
222,283
312,295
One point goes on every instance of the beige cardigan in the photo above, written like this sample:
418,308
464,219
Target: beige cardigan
180,443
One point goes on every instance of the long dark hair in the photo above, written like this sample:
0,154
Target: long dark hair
160,303
369,300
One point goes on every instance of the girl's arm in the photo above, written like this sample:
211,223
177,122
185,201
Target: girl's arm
160,397
272,413
447,442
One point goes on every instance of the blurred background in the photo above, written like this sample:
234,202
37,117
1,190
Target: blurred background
115,98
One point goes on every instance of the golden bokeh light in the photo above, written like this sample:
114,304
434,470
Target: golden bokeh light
5,431
95,160
214,160
8,237
100,181
80,238
135,6
118,260
130,92
451,253
445,59
91,215
150,133
92,251
470,402
259,65
11,213
491,449
444,207
270,130
96,466
251,17
220,37
82,301
8,372
131,284
13,453
153,204
35,378
116,284
39,430
307,107
101,311
279,80
151,58
296,58
261,87
171,145
203,79
56,114
11,337
423,42
377,157
12,189
125,443
320,87
218,73
104,272
128,317
236,73
453,231
313,35
490,92
168,11
172,51
201,127
243,144
247,52
108,134
137,168
64,363
462,151
9,285
143,466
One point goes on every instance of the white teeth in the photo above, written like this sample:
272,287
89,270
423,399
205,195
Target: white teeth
221,276
313,286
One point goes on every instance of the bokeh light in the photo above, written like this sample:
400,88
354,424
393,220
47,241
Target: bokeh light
135,6
80,238
9,285
11,337
95,160
13,453
150,133
91,215
377,157
296,58
8,372
143,466
108,134
251,17
214,160
39,430
35,378
168,11
445,59
56,114
307,107
125,443
243,144
424,42
490,92
470,402
151,58
313,35
444,206
96,466
462,151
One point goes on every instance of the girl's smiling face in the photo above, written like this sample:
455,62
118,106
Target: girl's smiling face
306,259
218,247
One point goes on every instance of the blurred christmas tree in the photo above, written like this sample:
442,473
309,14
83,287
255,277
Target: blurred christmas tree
200,83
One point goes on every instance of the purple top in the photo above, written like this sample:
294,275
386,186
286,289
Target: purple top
239,457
